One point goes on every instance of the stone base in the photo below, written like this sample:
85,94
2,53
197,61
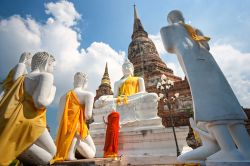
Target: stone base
90,162
236,163
142,138
148,160
128,160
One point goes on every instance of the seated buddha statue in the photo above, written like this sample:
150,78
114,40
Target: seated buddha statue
75,108
23,132
17,71
130,97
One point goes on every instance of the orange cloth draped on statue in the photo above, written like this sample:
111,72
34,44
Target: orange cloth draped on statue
192,32
72,121
129,87
112,134
21,123
8,82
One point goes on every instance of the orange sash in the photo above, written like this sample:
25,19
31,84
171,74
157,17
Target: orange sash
8,82
192,32
72,121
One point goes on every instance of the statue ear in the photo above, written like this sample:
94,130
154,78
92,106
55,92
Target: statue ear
47,63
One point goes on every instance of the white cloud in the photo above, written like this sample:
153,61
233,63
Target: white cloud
63,11
234,64
59,37
158,43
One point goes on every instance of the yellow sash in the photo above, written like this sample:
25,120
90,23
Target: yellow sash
129,87
72,121
8,82
192,32
21,123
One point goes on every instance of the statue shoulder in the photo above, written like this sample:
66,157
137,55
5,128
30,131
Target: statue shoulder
20,65
140,79
89,94
46,76
85,93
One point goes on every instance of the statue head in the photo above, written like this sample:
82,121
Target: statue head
26,58
127,68
80,80
43,61
175,16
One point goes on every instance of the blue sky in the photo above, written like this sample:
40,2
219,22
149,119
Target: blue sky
91,32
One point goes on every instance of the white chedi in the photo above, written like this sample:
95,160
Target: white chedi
140,106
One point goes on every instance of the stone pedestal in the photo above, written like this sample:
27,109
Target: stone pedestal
145,138
236,163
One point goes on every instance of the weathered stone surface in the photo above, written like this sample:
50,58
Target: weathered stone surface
90,162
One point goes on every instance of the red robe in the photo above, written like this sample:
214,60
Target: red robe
112,134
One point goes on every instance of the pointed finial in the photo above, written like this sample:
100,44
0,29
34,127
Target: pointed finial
106,69
135,13
105,78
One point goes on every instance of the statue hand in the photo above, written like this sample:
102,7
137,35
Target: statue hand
198,130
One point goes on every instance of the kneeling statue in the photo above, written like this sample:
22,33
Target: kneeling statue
75,108
23,132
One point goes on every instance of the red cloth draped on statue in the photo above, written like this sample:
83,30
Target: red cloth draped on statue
112,134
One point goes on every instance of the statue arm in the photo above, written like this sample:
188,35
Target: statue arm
45,91
61,108
20,70
141,85
195,127
116,89
167,34
89,100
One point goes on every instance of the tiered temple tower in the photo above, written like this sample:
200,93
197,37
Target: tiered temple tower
145,58
105,87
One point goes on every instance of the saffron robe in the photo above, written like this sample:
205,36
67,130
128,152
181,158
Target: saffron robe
129,87
72,121
193,34
21,123
112,134
8,82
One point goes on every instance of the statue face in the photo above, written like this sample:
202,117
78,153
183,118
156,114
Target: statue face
128,69
51,66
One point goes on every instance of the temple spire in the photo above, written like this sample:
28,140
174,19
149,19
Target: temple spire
105,78
135,13
138,30
105,87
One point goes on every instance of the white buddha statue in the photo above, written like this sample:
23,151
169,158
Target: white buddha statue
76,107
17,71
218,116
130,98
23,132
